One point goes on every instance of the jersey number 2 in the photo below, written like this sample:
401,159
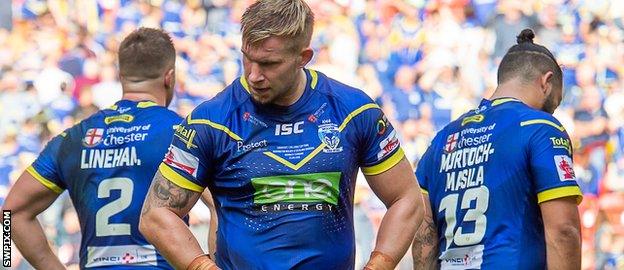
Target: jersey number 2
102,225
477,214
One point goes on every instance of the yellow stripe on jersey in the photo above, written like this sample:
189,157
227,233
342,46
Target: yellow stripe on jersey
178,179
49,184
424,191
319,148
560,192
146,104
385,165
542,121
502,100
215,126
244,83
355,113
314,76
300,163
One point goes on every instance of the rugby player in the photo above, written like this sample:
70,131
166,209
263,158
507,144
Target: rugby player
500,179
106,163
279,150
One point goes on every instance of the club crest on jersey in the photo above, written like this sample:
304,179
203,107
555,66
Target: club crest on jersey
451,142
330,136
93,137
564,168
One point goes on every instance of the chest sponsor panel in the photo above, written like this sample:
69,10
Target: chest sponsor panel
300,188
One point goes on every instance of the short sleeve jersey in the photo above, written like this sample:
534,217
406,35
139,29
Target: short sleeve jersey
486,174
283,177
106,163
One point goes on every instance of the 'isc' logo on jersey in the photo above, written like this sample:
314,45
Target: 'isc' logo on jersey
93,137
287,129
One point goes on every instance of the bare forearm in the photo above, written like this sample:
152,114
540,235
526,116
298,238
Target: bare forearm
170,235
425,246
397,228
563,249
162,224
32,243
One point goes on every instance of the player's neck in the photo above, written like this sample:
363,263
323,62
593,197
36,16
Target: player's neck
143,96
517,90
144,90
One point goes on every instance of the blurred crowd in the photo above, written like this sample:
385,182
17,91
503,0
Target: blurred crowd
424,61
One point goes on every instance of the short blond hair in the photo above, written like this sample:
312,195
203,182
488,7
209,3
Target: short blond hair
291,19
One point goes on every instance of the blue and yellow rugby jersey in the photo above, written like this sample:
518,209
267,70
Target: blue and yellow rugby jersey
486,174
283,177
107,163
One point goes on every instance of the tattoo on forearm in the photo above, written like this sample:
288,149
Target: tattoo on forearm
164,193
425,246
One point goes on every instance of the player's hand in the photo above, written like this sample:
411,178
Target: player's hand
202,262
380,261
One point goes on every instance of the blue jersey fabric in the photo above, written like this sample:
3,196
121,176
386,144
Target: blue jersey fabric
486,174
283,177
107,162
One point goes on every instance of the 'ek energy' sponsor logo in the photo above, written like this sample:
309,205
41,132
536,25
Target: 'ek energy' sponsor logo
301,192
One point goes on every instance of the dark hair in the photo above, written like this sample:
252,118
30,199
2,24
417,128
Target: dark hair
146,53
528,60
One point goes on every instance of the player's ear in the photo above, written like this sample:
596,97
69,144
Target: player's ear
546,82
305,56
169,80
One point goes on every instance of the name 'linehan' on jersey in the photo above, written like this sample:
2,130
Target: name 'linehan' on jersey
486,174
283,177
107,162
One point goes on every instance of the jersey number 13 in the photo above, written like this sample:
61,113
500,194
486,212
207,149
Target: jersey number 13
449,205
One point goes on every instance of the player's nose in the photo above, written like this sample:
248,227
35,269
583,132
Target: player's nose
255,74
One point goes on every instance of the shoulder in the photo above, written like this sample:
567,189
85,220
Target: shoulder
535,120
165,113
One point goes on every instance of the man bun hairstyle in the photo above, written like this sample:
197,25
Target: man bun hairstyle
526,36
290,19
146,53
528,60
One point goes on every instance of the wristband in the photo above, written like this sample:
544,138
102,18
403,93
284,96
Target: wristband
380,261
202,262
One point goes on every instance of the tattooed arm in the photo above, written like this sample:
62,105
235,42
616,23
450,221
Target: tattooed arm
162,224
425,246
